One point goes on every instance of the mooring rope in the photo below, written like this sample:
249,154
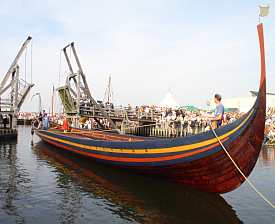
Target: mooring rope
237,167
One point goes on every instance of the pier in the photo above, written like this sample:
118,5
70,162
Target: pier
7,133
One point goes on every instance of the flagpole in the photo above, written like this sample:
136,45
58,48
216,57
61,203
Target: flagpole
263,11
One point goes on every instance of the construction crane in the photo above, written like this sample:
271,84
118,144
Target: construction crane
14,90
76,91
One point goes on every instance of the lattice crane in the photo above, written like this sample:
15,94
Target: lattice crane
76,90
13,89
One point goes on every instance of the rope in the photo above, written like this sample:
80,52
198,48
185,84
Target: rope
31,61
59,68
58,101
235,164
25,67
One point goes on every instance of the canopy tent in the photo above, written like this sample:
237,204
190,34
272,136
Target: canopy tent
169,101
190,108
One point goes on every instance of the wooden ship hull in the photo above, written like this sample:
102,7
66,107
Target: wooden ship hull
198,161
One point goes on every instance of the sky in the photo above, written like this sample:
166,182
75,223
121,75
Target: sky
192,48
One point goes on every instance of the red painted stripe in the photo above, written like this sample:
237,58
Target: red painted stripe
262,53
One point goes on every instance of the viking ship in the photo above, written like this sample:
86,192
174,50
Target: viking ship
197,160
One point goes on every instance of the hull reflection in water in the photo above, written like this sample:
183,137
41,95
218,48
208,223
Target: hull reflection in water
134,197
14,182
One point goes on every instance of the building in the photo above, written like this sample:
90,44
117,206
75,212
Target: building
243,104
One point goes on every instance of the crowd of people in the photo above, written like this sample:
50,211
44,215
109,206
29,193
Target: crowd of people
41,121
181,120
176,120
270,126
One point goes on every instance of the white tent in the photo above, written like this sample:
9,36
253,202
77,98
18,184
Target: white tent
169,101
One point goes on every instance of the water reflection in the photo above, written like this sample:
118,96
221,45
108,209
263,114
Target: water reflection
131,197
14,181
250,207
267,155
43,184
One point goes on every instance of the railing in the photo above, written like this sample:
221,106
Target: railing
182,130
119,112
5,105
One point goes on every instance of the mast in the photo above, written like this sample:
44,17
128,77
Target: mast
108,92
53,101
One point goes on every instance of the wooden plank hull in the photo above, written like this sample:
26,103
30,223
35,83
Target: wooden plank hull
198,161
207,168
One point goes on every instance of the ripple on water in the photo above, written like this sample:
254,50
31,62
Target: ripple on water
41,184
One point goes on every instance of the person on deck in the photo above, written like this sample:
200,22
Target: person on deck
217,120
45,121
40,118
65,125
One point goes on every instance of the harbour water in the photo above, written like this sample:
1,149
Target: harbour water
42,184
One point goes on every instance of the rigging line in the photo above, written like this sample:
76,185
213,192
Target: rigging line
58,101
31,62
59,69
25,79
240,171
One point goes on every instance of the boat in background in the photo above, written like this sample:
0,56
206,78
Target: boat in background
198,160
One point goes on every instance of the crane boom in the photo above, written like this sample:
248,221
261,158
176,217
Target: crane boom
14,63
82,89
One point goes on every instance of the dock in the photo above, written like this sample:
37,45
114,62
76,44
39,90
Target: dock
7,134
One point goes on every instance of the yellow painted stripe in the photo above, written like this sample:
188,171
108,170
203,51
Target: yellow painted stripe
154,150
